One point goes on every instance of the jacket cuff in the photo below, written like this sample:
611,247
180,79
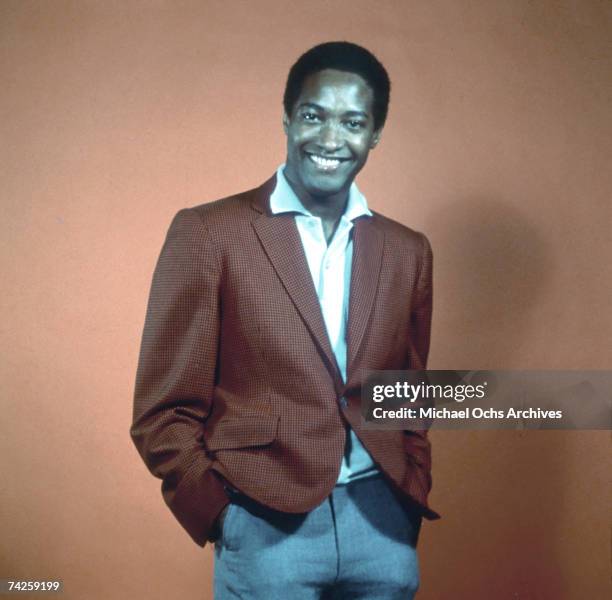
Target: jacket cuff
197,502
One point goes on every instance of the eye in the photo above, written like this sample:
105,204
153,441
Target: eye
355,124
310,117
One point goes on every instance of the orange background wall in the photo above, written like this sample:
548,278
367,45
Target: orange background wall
114,115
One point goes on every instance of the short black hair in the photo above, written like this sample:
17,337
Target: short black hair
342,56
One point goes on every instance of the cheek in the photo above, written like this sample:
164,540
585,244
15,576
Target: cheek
302,135
293,145
362,148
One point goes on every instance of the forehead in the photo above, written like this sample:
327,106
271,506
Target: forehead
337,91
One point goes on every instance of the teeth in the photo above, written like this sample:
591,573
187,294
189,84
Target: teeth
328,163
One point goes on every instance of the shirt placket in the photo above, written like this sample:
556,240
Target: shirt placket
333,291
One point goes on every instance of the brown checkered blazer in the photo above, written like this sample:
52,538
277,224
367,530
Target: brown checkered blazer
237,382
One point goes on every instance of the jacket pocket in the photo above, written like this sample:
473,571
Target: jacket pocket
243,432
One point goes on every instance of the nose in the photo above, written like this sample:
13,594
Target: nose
330,138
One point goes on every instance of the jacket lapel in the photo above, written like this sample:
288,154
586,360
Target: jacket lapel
281,241
368,243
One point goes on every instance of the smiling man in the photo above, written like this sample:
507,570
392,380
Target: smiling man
266,310
330,130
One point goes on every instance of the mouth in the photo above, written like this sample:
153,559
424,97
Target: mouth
326,164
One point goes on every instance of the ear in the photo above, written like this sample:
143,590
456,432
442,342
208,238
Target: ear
375,138
285,123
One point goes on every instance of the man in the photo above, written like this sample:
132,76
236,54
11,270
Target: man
266,310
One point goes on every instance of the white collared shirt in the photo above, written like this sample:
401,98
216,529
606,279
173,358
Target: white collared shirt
330,267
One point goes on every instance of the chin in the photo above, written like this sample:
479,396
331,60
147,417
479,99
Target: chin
320,187
321,191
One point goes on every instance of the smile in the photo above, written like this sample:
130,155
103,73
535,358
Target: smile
326,164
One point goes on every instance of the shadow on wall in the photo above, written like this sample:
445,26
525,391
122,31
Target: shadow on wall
493,266
501,493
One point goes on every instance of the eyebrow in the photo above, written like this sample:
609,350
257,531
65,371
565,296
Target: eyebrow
351,113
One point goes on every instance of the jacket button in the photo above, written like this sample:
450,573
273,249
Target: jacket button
343,402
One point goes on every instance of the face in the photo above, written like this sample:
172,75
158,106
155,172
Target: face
329,134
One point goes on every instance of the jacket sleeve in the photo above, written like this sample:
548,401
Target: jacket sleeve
420,315
416,442
176,375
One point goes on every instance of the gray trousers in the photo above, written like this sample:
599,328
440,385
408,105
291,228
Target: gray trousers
359,543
